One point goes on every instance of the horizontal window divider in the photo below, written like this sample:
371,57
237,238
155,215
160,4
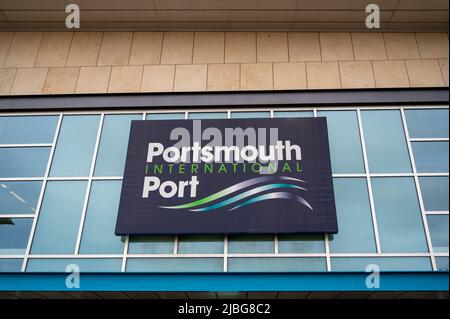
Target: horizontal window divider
437,212
432,174
16,216
443,139
21,179
25,145
12,256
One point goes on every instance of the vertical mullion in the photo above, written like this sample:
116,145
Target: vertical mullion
127,237
369,181
88,188
275,236
41,193
418,190
325,236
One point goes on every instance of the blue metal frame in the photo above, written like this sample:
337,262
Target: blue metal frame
226,282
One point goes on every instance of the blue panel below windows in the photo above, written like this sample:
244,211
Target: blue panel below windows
175,264
284,264
351,281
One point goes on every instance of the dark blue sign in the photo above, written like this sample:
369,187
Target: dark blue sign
227,176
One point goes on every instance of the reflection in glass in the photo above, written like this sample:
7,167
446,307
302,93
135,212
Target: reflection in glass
165,116
387,151
75,145
249,115
285,264
200,244
14,234
251,244
434,192
113,144
429,123
399,218
10,265
384,263
151,245
100,222
293,114
301,244
441,263
27,129
65,265
59,218
345,142
174,264
19,197
23,161
431,157
438,225
207,115
354,217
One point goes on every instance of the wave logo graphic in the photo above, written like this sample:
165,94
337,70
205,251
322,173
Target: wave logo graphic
257,193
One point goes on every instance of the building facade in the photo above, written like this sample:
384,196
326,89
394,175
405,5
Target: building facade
65,116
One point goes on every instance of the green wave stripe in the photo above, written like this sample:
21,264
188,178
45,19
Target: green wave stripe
246,194
222,193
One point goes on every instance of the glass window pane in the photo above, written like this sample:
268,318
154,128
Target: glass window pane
14,234
434,193
301,243
75,145
293,114
385,264
19,197
11,265
16,161
150,245
345,142
165,116
250,244
175,264
442,263
438,225
59,219
385,142
249,115
399,218
199,244
113,144
27,129
98,231
427,123
84,264
271,264
207,115
431,157
354,217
